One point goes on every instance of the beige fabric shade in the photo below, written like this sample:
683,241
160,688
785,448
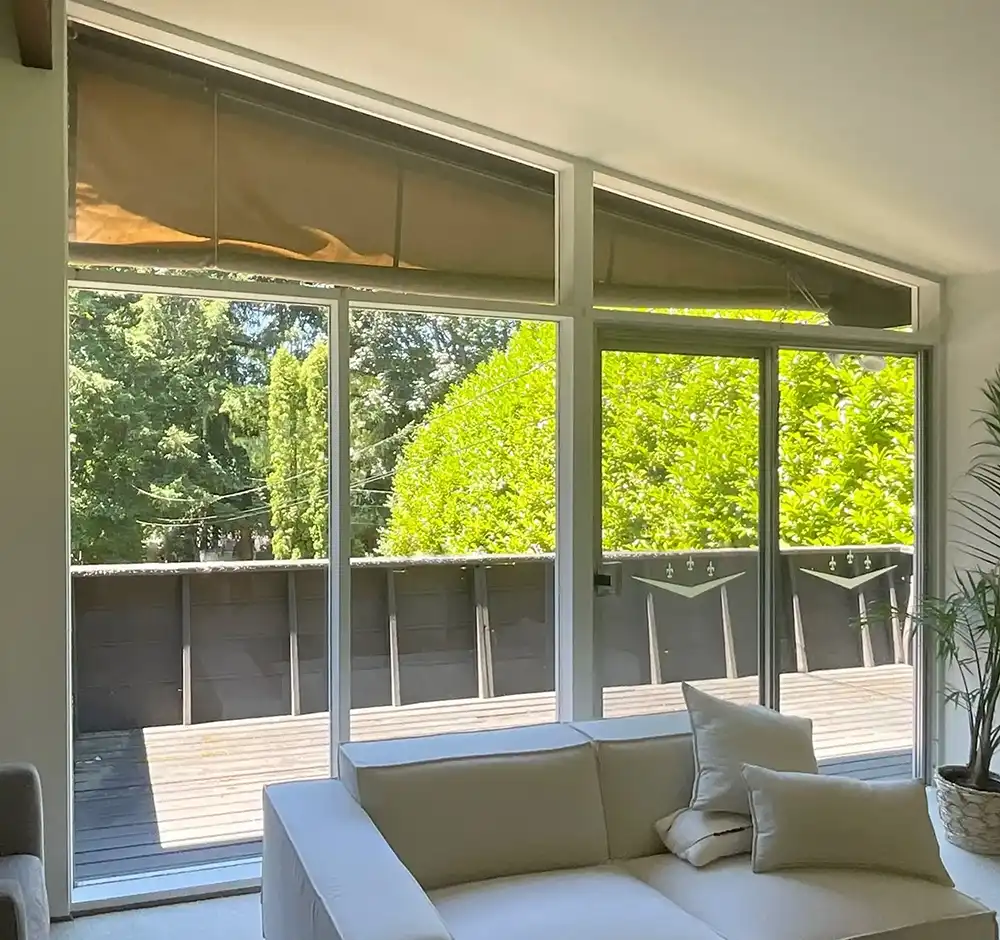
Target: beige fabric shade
644,255
176,164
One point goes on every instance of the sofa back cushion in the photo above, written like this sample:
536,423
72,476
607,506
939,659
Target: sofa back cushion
646,769
464,807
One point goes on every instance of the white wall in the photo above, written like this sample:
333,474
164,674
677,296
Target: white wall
971,355
33,434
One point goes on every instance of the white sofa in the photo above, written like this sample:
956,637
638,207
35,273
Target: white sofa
547,832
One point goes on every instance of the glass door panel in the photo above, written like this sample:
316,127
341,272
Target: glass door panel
198,572
453,502
846,453
679,463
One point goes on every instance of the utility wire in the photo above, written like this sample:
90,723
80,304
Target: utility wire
323,467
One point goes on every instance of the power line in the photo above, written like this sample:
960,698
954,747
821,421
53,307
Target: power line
312,471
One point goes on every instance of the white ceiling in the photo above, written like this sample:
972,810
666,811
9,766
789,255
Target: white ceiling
873,123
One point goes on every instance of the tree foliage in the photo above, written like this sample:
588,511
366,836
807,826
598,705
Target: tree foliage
196,421
401,364
679,453
288,472
152,446
168,412
315,377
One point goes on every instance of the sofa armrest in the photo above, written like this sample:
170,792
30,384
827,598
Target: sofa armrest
20,810
13,915
329,875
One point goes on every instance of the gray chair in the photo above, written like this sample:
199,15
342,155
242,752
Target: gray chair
24,904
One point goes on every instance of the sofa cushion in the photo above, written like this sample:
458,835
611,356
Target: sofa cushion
805,820
26,873
701,838
646,769
464,807
814,904
603,903
727,736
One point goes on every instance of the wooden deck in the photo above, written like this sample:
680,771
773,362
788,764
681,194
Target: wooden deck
168,797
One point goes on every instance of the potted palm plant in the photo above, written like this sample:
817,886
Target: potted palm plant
965,625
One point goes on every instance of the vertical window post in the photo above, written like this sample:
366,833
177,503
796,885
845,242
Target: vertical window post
928,564
928,575
768,523
339,527
578,542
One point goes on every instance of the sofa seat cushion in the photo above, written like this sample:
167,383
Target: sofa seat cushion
815,904
26,873
598,903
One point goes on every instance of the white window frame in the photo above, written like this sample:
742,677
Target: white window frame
578,491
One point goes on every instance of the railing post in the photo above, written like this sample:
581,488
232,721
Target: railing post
898,655
655,670
727,635
909,627
294,678
74,654
484,639
390,586
801,656
867,654
186,716
549,619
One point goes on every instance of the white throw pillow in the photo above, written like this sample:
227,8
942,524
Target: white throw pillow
811,821
727,736
700,838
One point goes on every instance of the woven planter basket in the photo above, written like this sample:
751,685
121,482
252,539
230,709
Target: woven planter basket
971,818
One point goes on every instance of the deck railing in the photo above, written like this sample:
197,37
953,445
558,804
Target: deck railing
162,644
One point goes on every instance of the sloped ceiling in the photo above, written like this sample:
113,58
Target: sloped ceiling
874,123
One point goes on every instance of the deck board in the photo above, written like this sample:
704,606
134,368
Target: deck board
161,798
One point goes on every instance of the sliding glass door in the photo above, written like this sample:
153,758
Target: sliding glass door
757,512
452,508
680,459
199,497
847,511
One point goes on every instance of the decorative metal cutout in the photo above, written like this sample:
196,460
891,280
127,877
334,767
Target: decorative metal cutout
832,564
868,562
849,583
850,558
711,570
690,590
690,563
670,570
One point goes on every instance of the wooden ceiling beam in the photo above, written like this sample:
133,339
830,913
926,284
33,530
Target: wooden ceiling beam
33,26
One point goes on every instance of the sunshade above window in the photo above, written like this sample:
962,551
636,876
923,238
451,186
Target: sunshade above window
177,164
645,256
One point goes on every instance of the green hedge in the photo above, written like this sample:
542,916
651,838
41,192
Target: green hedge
679,451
